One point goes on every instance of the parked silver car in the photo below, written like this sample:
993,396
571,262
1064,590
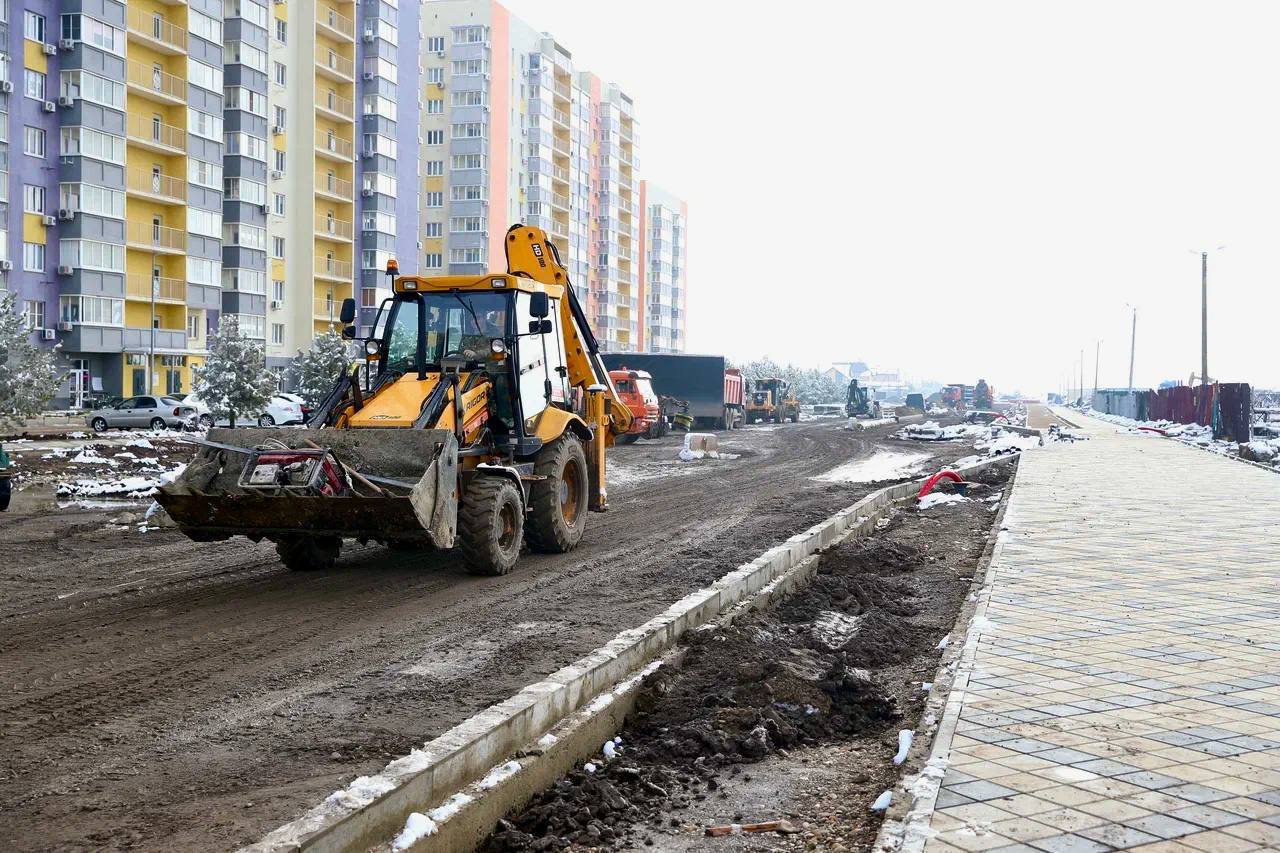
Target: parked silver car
146,412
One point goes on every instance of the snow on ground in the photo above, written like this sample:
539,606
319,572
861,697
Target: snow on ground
1264,451
135,487
938,498
881,465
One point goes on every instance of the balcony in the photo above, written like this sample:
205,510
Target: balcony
327,309
560,146
336,25
152,82
332,269
168,290
156,135
159,239
335,106
333,187
160,187
560,173
626,133
335,66
165,340
157,33
331,228
560,201
334,147
559,230
561,118
562,89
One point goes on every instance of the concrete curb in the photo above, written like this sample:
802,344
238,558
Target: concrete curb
373,809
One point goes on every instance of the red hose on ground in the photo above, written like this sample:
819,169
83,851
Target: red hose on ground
946,474
1156,430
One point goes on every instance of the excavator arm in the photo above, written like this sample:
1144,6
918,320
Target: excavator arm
531,255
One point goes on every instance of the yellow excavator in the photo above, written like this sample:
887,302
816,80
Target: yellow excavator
479,419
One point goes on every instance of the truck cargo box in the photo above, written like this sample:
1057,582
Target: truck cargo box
711,388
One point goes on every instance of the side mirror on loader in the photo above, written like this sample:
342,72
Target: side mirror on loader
348,313
539,327
539,306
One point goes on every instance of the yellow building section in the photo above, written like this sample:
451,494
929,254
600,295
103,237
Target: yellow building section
33,228
135,374
33,57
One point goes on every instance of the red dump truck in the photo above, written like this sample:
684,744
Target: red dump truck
635,390
713,390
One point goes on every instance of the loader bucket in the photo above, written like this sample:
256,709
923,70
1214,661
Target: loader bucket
416,471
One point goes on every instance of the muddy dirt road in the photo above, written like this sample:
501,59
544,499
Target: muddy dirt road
156,694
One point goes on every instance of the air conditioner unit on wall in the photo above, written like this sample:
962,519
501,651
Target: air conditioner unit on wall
49,49
50,106
67,44
276,304
6,265
6,86
65,270
65,101
277,129
66,213
65,327
49,334
49,221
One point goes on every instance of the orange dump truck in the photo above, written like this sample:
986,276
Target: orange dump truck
635,390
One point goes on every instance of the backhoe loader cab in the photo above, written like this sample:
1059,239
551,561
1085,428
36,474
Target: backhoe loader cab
480,420
772,399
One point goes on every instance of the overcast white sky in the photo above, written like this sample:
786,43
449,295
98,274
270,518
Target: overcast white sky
961,189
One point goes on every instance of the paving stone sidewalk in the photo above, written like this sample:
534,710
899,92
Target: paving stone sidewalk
1124,691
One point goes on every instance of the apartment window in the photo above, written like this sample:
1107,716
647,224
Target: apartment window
373,220
204,271
250,11
435,44
92,254
33,26
376,105
78,27
277,203
435,75
434,229
469,130
205,223
246,146
32,199
34,84
467,161
277,333
379,144
240,98
471,35
206,125
242,234
193,326
282,31
33,314
280,159
380,183
434,199
467,192
245,281
380,67
470,67
466,256
277,247
204,174
468,99
466,224
281,115
435,137
281,74
209,29
83,141
433,260
77,83
435,167
245,54
205,76
277,289
252,325
243,189
33,141
91,310
435,106
88,198
33,257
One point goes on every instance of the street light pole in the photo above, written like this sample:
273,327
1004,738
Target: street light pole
1204,318
1097,353
1082,376
1133,339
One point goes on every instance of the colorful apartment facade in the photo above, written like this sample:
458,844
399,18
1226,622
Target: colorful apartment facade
168,163
663,241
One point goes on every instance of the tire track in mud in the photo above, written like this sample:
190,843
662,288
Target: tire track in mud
147,718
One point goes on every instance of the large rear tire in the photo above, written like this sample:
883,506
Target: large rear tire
558,503
629,438
309,553
490,524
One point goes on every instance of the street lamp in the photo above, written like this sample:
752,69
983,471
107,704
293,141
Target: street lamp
1204,313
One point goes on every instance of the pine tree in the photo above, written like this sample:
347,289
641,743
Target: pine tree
234,379
28,374
315,371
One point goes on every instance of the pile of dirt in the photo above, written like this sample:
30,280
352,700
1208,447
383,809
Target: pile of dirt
832,663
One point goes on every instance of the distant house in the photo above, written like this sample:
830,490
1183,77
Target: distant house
859,370
836,374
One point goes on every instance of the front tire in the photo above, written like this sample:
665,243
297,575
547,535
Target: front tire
99,424
266,421
558,503
490,524
309,553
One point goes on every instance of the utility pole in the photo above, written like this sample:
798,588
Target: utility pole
1204,318
1133,339
1082,376
151,355
1097,353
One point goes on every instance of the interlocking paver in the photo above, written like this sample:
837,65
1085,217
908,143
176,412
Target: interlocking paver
1124,690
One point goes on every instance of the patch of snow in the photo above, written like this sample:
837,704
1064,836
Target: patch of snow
547,741
881,465
360,792
498,775
938,498
416,828
89,456
834,629
141,442
944,642
589,767
981,625
926,686
610,750
451,807
904,745
882,802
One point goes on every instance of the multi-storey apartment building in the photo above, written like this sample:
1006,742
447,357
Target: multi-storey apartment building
662,270
513,132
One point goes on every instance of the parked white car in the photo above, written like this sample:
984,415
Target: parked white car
282,410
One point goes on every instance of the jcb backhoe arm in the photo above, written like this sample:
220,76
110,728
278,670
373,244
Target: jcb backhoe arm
531,255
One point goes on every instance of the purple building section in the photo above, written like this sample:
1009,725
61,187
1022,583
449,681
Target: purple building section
28,170
410,83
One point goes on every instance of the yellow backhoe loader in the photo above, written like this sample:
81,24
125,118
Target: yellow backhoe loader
480,419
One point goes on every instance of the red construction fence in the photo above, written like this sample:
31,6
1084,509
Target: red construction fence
1225,406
